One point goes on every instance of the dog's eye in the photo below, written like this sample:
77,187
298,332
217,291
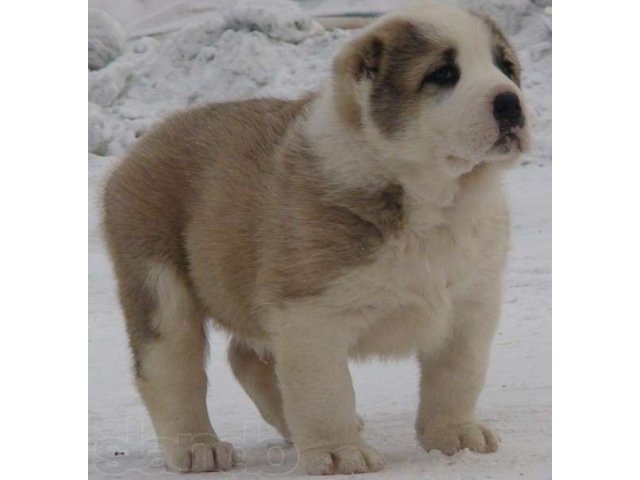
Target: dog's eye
445,76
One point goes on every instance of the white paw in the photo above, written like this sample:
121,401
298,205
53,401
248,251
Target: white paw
452,438
345,459
200,457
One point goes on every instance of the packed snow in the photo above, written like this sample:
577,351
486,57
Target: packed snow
198,51
107,40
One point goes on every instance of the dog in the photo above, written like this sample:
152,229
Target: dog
366,218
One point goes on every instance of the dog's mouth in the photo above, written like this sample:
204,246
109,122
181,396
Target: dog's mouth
506,143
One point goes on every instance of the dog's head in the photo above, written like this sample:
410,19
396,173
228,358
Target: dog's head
436,81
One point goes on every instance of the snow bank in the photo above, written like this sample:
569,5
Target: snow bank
107,39
256,49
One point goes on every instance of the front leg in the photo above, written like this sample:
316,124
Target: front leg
452,379
311,359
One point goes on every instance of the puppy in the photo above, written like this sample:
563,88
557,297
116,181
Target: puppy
364,219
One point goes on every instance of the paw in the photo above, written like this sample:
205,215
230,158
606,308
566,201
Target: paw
345,459
452,438
207,456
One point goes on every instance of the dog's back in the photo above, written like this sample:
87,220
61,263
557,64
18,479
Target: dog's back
148,196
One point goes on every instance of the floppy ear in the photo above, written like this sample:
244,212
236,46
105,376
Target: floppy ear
360,58
358,61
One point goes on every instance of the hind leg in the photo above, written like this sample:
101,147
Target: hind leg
258,378
169,346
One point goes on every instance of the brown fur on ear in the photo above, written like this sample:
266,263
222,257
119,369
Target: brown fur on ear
370,59
358,60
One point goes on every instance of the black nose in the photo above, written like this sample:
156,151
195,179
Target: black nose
507,111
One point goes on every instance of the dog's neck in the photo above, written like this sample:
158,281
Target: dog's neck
353,161
345,157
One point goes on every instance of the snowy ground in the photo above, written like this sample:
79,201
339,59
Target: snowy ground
267,48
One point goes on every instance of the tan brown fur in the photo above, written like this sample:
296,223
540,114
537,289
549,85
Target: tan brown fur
212,209
343,228
153,194
407,54
391,56
352,62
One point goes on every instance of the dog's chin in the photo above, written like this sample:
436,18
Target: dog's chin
503,150
508,147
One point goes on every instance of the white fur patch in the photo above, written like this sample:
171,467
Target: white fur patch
174,303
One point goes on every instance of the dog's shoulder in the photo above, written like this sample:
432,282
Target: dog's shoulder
316,229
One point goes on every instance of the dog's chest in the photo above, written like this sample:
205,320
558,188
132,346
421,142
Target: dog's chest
405,296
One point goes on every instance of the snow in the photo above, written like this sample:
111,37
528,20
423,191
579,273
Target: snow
262,48
107,39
